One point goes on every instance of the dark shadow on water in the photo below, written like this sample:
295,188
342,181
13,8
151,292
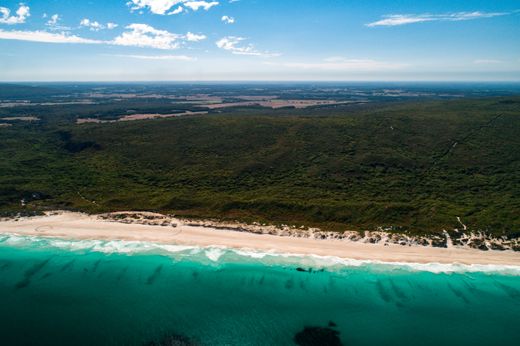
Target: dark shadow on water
398,292
96,265
46,275
67,265
470,287
261,281
121,273
29,273
383,293
318,336
458,293
156,273
5,265
510,291
289,284
309,270
173,340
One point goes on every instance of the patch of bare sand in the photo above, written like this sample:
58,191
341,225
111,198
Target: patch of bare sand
133,117
276,103
156,116
25,118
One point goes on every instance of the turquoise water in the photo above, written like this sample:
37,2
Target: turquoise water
57,292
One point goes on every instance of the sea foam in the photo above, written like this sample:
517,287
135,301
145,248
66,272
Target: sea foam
220,254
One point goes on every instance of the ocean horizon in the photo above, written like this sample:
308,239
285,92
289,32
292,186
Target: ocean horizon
83,292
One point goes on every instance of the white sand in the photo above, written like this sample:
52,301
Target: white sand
27,118
81,226
274,104
133,117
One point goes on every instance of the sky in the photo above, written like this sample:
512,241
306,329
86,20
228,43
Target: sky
260,40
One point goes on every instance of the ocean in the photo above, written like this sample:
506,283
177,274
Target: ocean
66,292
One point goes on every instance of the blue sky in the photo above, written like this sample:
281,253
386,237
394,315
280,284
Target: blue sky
376,40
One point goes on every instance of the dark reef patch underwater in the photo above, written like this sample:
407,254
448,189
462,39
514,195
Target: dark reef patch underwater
58,292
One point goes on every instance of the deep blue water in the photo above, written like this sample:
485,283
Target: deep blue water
57,292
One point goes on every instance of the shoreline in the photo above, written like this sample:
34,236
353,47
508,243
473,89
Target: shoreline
78,226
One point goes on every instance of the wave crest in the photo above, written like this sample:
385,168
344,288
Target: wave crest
219,254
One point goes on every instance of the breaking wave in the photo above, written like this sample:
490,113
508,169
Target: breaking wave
220,254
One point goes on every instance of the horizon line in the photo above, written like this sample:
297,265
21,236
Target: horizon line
258,81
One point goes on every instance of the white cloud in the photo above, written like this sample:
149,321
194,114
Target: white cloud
55,18
343,64
402,19
163,7
54,23
158,57
228,19
143,35
138,35
194,37
178,10
155,6
21,15
232,44
44,36
96,26
195,5
92,25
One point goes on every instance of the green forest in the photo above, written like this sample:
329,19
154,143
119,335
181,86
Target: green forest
409,166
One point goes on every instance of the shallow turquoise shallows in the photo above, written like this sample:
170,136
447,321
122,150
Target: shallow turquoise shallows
58,292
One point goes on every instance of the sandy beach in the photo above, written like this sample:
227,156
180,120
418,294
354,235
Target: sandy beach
82,226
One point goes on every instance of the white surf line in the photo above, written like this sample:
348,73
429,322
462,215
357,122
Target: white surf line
215,253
